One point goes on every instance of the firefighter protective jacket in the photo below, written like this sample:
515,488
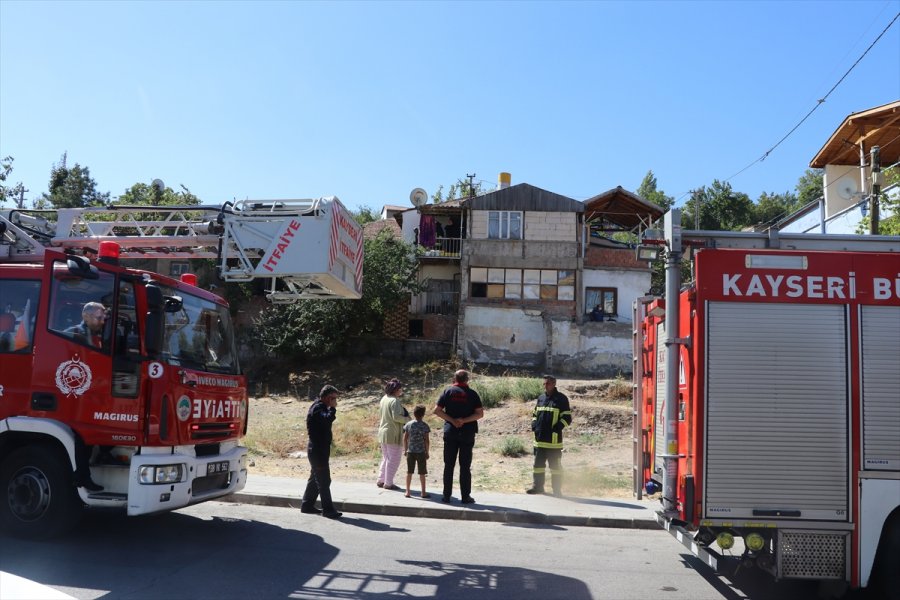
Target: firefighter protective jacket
550,416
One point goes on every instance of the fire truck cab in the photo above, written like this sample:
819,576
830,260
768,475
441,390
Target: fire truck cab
121,388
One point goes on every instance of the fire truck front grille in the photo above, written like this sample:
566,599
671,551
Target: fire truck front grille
812,555
207,431
202,485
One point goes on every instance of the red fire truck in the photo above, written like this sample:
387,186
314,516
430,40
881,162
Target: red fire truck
767,402
120,387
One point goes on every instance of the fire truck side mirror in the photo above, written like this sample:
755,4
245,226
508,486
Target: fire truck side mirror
156,321
81,267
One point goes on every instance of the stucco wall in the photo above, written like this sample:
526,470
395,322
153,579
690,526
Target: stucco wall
504,336
629,285
530,339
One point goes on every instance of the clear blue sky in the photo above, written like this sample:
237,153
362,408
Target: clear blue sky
369,100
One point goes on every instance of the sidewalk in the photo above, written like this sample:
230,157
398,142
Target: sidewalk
367,498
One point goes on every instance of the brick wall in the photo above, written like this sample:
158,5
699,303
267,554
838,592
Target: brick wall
613,257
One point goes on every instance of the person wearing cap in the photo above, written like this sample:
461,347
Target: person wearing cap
461,407
551,415
319,419
390,433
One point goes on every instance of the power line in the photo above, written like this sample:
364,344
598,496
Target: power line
819,102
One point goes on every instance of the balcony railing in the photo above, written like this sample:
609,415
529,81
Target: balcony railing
435,303
444,248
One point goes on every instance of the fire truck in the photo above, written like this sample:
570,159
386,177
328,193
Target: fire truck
767,402
121,388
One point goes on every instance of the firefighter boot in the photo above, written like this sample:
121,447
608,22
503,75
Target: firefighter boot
556,482
538,487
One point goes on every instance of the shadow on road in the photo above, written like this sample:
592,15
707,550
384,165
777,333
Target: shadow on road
172,555
447,581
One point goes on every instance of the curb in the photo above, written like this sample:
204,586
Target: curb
469,513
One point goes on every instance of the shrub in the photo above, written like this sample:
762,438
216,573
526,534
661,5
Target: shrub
512,446
495,392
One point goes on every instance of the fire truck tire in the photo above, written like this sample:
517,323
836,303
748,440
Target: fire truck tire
38,499
885,574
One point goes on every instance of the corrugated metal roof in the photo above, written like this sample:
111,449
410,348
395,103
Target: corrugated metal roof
523,196
879,126
621,208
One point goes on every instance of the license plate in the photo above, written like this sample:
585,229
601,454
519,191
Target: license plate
214,468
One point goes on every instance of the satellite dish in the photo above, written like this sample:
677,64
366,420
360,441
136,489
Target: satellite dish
846,188
418,197
158,184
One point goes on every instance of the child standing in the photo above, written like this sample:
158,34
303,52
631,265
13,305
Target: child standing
416,445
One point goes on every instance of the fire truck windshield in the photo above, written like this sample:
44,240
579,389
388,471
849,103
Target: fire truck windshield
200,335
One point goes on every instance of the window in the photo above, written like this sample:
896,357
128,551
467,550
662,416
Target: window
18,307
606,297
177,269
522,284
504,225
80,307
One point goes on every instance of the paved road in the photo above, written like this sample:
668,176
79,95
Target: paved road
222,551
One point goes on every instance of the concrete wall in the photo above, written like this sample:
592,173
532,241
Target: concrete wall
593,349
504,336
539,226
531,339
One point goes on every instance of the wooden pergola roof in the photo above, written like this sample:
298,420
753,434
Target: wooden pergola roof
621,208
879,126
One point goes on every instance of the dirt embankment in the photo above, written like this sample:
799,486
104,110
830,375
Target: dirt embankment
596,459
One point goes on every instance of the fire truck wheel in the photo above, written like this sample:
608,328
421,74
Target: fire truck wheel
885,574
38,494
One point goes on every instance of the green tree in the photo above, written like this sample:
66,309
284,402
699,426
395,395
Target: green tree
321,328
157,194
72,187
720,208
458,191
648,191
15,192
770,208
365,214
810,186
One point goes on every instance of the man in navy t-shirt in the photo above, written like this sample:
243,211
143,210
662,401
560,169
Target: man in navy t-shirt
460,406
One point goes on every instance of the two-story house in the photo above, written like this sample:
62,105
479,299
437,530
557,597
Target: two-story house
513,275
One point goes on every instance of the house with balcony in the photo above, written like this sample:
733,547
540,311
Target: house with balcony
511,277
848,180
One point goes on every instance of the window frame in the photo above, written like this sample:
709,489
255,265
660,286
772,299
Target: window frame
503,227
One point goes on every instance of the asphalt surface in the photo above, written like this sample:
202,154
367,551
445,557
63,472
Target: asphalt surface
367,498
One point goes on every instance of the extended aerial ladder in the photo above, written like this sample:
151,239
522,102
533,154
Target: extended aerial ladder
305,249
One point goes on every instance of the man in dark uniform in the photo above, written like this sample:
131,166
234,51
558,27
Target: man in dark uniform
321,415
460,406
550,416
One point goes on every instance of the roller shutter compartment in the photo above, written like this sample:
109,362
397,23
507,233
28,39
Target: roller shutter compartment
777,410
880,334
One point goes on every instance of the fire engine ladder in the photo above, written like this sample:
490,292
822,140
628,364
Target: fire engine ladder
235,234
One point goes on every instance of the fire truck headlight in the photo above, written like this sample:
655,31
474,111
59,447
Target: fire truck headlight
725,540
151,474
755,542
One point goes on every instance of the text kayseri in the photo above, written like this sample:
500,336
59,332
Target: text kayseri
806,286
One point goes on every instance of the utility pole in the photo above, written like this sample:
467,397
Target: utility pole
20,203
471,188
877,179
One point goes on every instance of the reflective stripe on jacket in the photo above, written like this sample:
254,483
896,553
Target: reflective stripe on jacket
548,419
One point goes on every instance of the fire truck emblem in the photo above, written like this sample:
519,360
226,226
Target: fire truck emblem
73,377
183,409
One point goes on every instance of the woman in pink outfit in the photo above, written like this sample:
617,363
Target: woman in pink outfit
390,434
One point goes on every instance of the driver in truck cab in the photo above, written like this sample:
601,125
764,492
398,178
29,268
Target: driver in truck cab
90,330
